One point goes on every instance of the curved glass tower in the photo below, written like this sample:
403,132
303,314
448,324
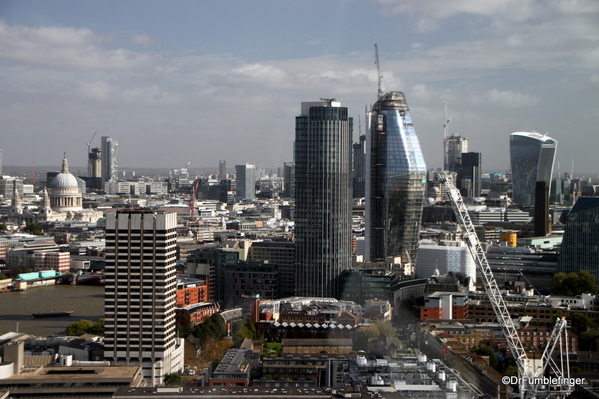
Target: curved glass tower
532,156
397,181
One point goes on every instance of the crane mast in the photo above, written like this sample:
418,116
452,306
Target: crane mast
378,70
531,384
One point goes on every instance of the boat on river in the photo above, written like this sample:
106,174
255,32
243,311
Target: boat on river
53,314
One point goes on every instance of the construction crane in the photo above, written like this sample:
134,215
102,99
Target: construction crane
192,202
531,382
378,70
88,144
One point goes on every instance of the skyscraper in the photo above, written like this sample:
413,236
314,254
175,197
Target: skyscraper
289,179
359,171
140,293
323,197
110,160
245,182
397,183
455,146
580,246
470,174
532,156
222,170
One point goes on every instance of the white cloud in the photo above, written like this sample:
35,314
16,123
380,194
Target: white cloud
510,99
141,39
63,48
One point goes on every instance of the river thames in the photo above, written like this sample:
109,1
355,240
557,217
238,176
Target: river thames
17,307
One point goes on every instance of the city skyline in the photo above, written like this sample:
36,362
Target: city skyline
173,74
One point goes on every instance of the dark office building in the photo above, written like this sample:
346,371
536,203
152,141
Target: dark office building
580,246
251,278
210,262
470,174
281,253
323,197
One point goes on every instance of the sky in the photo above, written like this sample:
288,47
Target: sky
178,81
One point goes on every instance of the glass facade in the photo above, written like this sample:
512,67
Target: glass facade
323,197
532,156
245,182
580,246
397,181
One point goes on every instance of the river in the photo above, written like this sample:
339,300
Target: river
17,307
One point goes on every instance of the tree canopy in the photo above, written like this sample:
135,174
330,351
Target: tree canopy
86,327
572,284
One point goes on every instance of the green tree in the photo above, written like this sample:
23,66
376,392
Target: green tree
579,323
86,327
386,328
3,227
172,379
244,329
572,284
3,277
34,228
16,270
363,334
485,350
98,327
587,341
79,327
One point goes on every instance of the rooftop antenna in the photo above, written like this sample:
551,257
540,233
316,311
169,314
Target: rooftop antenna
378,69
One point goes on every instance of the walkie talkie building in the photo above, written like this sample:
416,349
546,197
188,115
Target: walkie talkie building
532,156
397,181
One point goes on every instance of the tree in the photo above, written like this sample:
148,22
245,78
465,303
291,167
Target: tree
79,327
485,350
86,327
386,328
3,227
579,323
587,341
34,228
363,334
172,379
572,284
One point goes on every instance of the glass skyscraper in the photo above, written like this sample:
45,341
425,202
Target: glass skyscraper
532,156
397,183
110,160
580,246
323,197
245,182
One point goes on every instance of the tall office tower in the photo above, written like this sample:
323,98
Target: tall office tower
110,161
140,293
222,170
470,174
245,182
289,179
397,185
532,156
579,250
0,162
542,225
455,146
323,197
359,171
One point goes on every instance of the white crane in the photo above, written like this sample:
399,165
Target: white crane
378,70
88,144
532,384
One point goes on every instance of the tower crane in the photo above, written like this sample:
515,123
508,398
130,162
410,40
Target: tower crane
378,70
88,144
192,201
531,383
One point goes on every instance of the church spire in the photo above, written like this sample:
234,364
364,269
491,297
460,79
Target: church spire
65,164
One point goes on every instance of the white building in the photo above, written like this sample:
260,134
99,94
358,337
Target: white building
444,256
140,293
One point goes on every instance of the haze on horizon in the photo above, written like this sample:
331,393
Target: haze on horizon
203,81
